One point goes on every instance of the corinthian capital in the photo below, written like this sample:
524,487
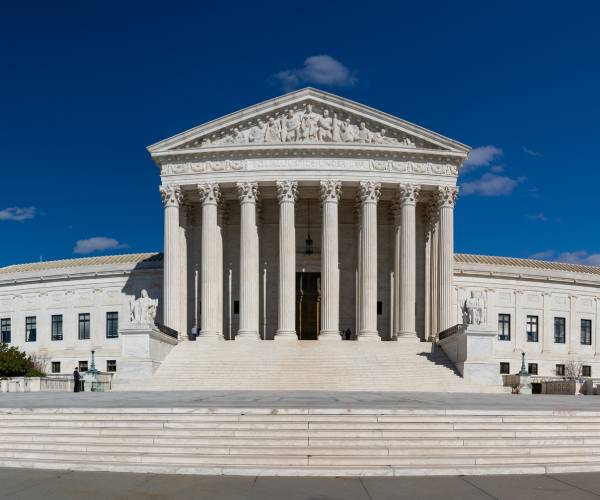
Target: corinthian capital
446,196
171,195
408,194
331,191
287,191
369,191
209,193
247,191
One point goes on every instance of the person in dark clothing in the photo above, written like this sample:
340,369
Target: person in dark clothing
76,378
348,334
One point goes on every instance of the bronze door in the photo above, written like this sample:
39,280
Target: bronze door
308,305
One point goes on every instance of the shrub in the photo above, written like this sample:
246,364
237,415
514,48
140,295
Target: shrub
16,363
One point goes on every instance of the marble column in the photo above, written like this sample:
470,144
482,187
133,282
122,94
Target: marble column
330,272
433,269
183,269
397,214
446,200
407,199
249,272
369,195
172,197
287,194
211,288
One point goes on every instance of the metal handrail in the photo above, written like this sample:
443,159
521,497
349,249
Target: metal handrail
167,331
453,330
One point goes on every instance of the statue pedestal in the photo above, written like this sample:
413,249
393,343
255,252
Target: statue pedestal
524,384
143,349
471,350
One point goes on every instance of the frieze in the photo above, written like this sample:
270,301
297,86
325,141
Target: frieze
392,166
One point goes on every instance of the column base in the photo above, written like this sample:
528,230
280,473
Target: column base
248,335
286,336
368,336
209,335
406,335
328,335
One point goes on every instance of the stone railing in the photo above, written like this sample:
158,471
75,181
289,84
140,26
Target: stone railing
166,330
453,330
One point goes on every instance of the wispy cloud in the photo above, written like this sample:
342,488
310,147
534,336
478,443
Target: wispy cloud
539,217
531,152
491,185
321,70
481,157
97,244
577,257
18,214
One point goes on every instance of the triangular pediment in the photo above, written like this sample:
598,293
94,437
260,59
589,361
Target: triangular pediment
307,117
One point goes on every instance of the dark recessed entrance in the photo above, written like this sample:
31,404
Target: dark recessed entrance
308,305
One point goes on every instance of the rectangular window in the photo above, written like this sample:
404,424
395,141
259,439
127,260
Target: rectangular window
503,326
111,365
559,330
57,327
586,332
83,366
55,366
560,370
586,371
5,330
30,329
532,328
532,369
504,368
84,326
112,325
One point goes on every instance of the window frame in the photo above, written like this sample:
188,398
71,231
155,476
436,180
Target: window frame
114,322
560,370
53,365
504,321
5,330
56,336
532,368
30,332
559,320
504,365
585,335
111,365
83,366
530,332
84,320
587,368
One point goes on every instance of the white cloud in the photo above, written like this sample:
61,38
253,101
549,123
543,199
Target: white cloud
321,70
531,152
497,169
97,244
481,157
540,216
577,257
18,214
491,185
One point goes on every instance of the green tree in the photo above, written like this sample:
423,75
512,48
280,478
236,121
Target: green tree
16,363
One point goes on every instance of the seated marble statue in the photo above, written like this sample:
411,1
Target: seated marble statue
474,309
143,309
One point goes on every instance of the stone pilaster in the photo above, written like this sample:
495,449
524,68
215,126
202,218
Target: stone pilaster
446,200
369,195
172,197
249,272
407,199
211,288
330,273
287,194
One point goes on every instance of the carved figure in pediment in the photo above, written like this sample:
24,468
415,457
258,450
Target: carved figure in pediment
325,124
273,132
336,134
239,137
407,142
309,124
364,135
347,131
291,127
257,133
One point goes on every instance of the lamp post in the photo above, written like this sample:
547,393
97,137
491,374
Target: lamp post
523,371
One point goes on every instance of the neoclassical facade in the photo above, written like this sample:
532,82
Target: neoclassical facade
243,194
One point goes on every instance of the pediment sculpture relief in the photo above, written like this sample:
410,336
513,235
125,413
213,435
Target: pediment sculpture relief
305,126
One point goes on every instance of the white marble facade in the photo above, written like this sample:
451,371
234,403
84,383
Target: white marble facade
242,194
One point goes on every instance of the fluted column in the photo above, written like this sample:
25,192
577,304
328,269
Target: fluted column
432,219
330,272
369,195
446,201
211,288
397,270
249,273
407,199
172,197
287,193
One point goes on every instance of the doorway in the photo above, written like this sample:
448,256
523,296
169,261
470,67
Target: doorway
308,305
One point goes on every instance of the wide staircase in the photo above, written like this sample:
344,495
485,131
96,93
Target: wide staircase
301,441
406,365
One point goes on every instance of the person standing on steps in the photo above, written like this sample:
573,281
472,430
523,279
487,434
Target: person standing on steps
76,378
348,334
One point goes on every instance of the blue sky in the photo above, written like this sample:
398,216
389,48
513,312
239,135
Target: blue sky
86,86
